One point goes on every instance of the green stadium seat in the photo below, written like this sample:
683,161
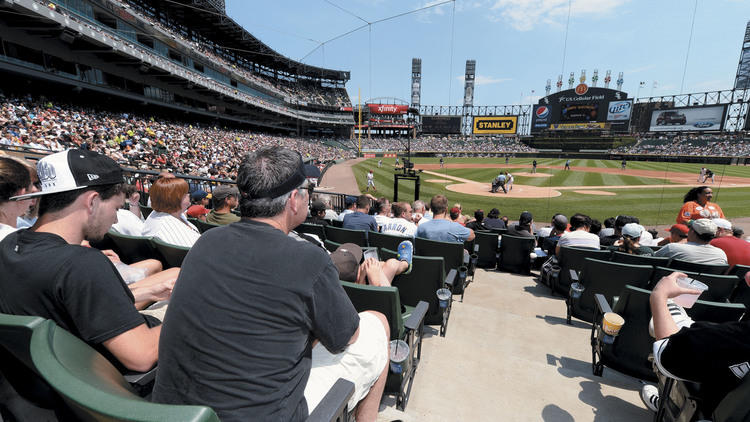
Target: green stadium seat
171,255
341,236
514,254
132,249
572,258
315,229
385,241
488,250
453,258
698,268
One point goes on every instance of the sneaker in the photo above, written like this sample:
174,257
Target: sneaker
405,253
650,397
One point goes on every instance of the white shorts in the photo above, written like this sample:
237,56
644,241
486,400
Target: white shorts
370,183
361,363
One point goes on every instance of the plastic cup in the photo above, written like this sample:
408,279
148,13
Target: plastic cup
444,295
399,353
611,323
688,300
576,290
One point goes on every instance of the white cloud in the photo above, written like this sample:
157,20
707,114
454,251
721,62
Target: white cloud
480,80
524,15
640,69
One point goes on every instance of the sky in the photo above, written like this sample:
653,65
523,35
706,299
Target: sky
518,44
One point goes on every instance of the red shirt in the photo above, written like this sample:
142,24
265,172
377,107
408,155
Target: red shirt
737,250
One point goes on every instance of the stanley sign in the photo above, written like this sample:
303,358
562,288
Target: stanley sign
495,125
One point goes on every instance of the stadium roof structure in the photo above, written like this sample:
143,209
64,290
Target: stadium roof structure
201,16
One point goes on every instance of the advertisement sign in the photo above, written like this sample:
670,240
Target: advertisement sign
688,118
619,110
577,126
495,125
541,117
388,108
441,124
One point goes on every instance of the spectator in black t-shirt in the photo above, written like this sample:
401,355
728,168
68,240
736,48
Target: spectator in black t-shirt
46,272
477,222
261,328
317,214
715,355
524,226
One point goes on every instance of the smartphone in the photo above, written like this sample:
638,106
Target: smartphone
371,253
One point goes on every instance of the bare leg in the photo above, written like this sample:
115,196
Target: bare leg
152,266
367,408
161,278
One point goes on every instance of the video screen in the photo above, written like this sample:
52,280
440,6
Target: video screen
579,112
448,125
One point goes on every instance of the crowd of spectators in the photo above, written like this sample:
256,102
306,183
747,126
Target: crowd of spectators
142,142
447,144
727,145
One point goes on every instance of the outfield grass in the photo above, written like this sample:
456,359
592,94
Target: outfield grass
652,206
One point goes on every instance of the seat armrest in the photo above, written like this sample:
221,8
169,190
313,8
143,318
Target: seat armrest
140,378
333,405
417,316
573,275
451,278
466,259
601,303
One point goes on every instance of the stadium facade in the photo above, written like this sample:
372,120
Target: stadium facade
187,56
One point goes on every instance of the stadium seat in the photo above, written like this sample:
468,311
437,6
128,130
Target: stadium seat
337,223
626,258
661,272
90,386
572,259
720,287
172,255
145,210
204,226
628,352
717,312
487,254
341,236
421,284
605,278
385,241
315,229
453,258
514,254
133,248
698,268
405,325
65,374
742,293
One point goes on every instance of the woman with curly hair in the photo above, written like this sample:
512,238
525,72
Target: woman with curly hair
697,204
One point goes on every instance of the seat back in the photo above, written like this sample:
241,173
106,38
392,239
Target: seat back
660,272
339,235
487,256
626,258
451,252
172,255
315,229
742,292
514,254
385,241
88,383
631,348
204,226
608,279
421,284
381,299
720,287
133,248
572,258
337,223
717,312
683,266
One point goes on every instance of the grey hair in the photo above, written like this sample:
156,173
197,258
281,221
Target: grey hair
262,170
418,205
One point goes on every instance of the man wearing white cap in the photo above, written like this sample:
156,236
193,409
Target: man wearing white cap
737,250
697,249
47,273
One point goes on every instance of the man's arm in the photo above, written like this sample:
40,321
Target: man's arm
667,288
137,349
471,235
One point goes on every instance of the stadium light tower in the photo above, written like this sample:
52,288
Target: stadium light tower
742,80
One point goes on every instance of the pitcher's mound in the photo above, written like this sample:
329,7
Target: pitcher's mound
519,191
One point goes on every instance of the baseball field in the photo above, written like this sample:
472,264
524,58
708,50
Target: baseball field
652,191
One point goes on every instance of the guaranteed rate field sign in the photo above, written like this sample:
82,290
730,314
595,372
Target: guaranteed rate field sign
495,125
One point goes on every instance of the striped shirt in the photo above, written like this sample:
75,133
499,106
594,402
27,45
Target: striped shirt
175,231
